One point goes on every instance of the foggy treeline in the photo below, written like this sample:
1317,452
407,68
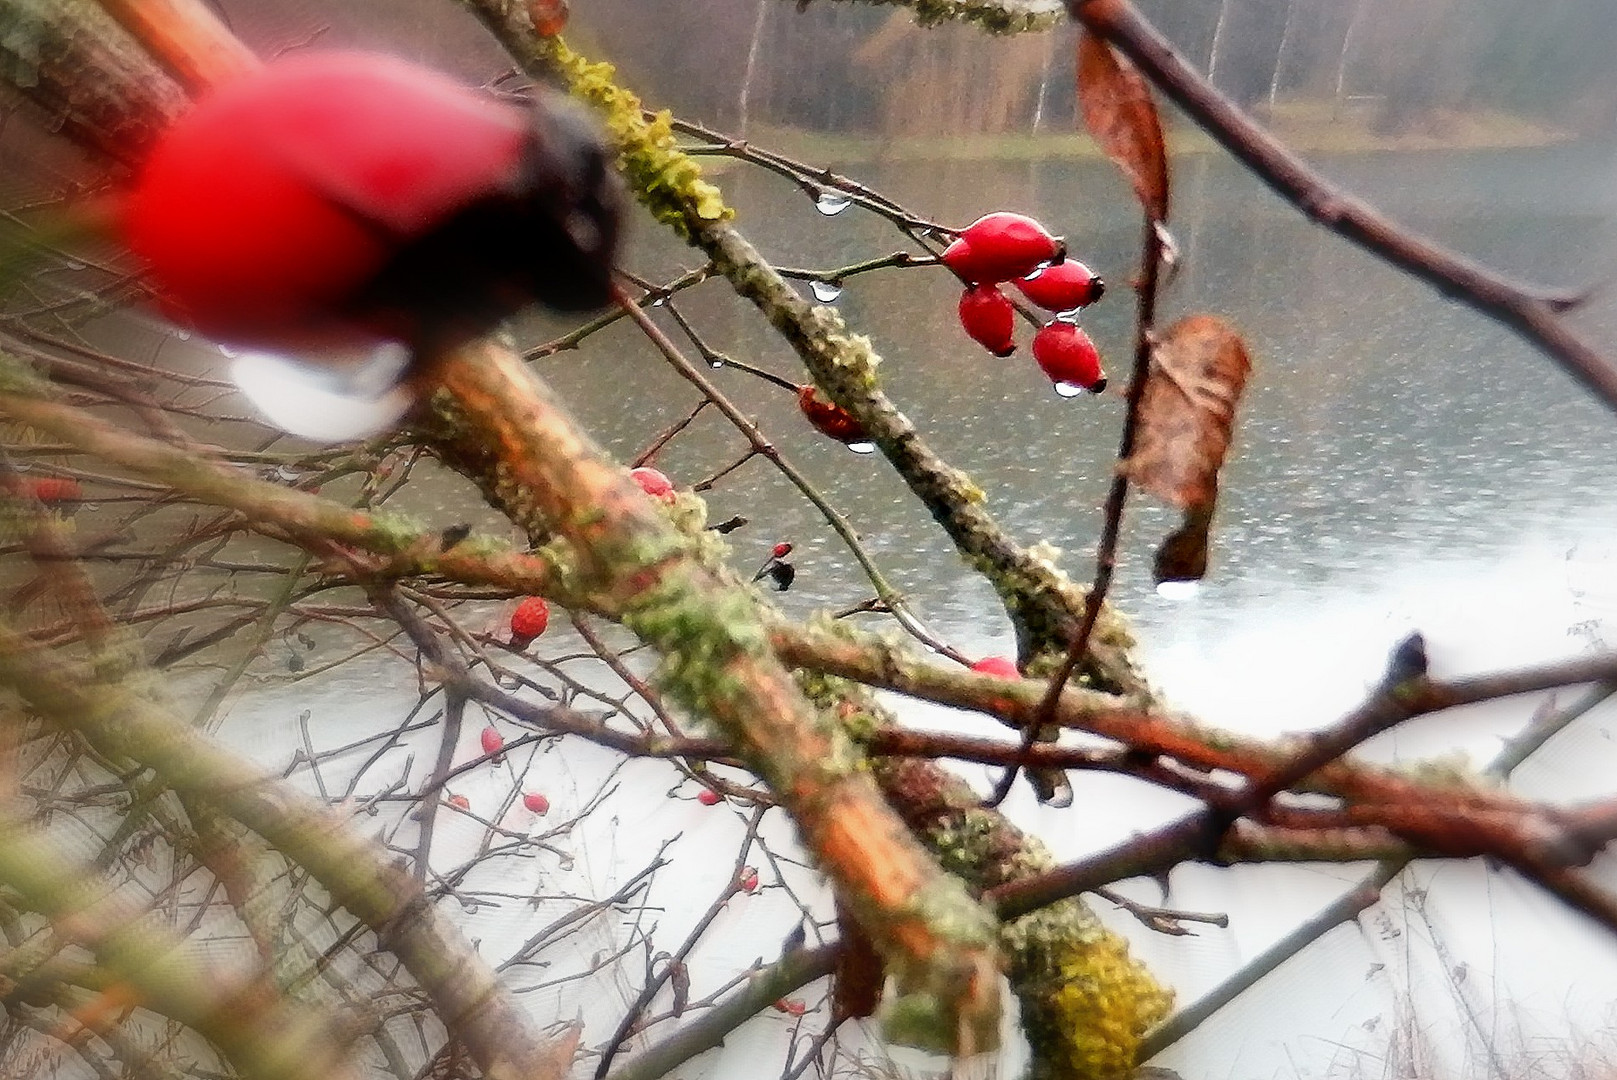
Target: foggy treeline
857,67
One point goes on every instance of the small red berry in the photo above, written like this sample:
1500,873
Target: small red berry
1065,286
653,483
1001,247
54,490
460,802
1071,360
529,620
989,319
749,879
537,803
708,797
831,420
549,17
781,550
790,1006
493,741
997,666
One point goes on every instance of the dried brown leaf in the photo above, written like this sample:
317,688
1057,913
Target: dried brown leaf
1199,368
1122,115
1183,555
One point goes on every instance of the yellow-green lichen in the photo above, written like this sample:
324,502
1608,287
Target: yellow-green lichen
1086,1003
666,179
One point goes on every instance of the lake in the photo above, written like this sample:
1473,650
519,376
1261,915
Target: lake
1400,464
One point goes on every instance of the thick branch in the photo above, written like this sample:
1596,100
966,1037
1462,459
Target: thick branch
1531,314
625,553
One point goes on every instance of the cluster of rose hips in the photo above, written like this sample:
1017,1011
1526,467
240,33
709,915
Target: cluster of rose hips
1002,247
995,249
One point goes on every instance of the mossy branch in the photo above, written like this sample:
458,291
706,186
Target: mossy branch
1040,599
262,1035
121,719
625,554
72,60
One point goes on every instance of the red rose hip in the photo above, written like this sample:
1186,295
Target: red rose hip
1069,358
493,742
997,666
536,802
832,420
989,319
529,620
709,797
345,198
653,483
52,490
1001,247
1066,286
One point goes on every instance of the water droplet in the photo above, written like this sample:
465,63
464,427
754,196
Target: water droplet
286,473
73,264
1178,590
660,301
825,292
183,335
1037,270
862,447
1068,389
831,203
716,362
228,353
566,862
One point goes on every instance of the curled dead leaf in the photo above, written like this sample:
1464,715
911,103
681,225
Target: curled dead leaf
1199,368
1122,116
1183,555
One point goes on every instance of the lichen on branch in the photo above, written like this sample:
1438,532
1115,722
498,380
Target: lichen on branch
1040,599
